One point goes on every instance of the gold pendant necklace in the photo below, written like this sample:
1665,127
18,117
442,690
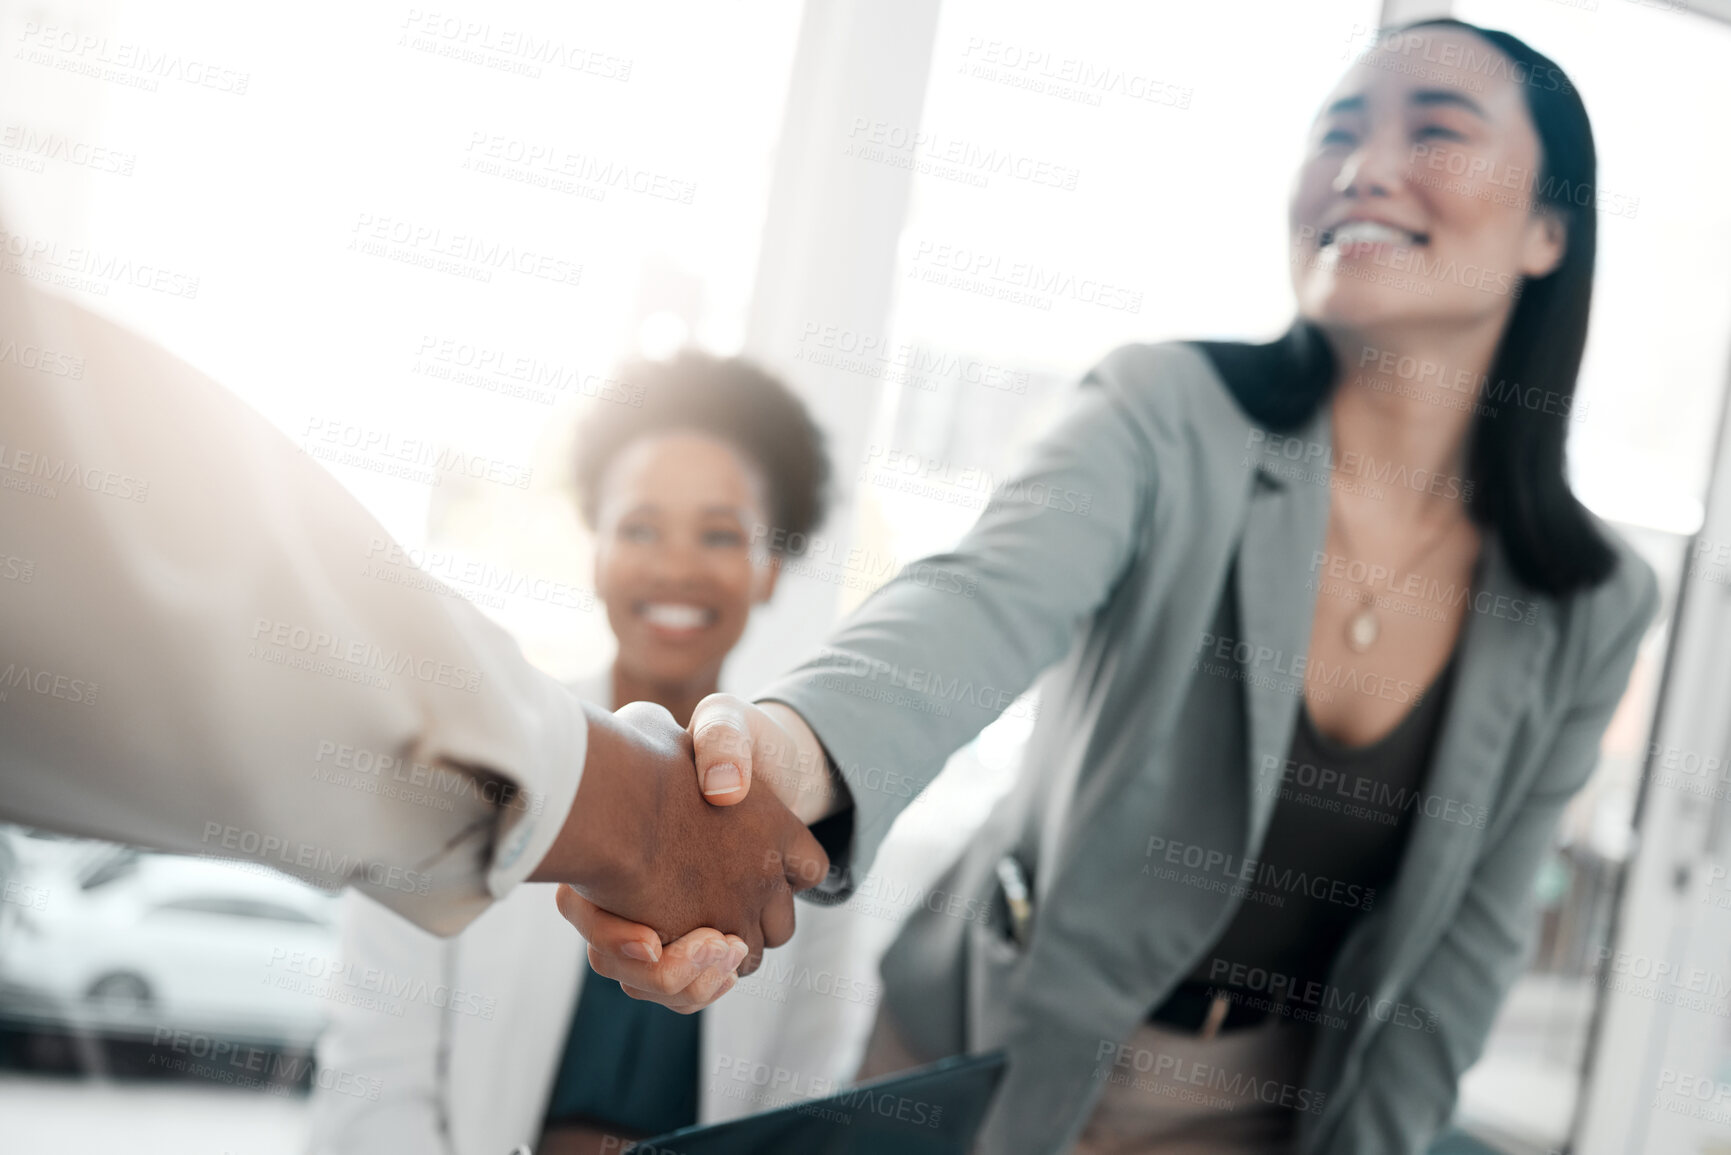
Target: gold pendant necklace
1364,627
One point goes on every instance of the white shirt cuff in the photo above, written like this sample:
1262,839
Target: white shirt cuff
527,833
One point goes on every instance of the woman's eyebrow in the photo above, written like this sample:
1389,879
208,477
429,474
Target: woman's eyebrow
1433,97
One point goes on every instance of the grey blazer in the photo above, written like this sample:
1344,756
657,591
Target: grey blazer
1102,563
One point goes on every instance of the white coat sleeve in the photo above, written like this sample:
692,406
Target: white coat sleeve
197,652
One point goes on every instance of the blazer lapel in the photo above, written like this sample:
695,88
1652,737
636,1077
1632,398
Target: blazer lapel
1495,682
1285,524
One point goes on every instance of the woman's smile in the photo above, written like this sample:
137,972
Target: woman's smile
1363,236
676,620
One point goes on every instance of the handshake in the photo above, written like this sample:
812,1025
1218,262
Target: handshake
678,875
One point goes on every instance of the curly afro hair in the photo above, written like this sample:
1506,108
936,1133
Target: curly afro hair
727,398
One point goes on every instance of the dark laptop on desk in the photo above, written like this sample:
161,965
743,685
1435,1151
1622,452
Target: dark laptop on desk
933,1110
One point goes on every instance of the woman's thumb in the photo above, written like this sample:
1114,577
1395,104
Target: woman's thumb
721,737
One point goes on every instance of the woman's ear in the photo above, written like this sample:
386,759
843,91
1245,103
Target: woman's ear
1544,244
763,584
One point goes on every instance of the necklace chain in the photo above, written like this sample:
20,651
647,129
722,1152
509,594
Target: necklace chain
1364,627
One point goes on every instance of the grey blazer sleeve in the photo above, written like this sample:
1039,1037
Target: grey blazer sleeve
1411,1078
945,647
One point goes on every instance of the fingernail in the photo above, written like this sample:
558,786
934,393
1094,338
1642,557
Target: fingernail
640,951
737,957
721,778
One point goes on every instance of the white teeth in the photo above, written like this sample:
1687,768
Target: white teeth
1373,232
674,616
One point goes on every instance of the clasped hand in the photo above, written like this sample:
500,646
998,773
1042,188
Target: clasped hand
677,893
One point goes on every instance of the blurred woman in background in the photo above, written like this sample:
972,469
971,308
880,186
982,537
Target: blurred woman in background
511,1040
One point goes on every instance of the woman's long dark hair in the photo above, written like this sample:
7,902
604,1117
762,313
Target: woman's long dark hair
1515,456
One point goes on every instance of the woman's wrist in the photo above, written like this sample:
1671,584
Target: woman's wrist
799,769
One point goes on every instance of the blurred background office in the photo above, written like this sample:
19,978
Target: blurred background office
420,240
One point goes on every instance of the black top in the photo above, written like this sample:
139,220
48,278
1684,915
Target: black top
1333,846
629,1064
